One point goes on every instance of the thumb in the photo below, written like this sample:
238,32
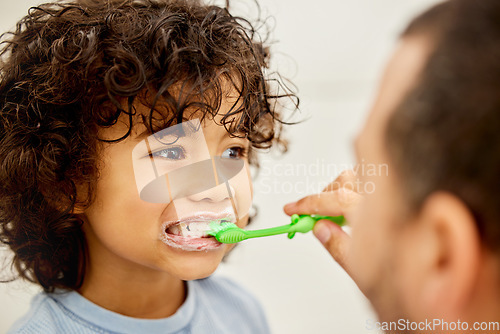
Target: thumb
335,240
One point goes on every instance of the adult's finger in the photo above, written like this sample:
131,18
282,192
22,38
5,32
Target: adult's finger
330,203
335,240
347,179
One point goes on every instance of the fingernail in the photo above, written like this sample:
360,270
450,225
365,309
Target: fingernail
322,232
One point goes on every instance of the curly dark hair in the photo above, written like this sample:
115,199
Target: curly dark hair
71,68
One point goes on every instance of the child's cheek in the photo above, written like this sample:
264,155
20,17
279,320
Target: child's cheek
243,222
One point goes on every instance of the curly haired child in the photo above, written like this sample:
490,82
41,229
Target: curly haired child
83,83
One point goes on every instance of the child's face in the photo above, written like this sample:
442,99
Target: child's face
128,233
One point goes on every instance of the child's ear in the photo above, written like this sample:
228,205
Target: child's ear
82,193
62,203
77,210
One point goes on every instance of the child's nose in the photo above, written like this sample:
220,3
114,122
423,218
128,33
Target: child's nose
219,193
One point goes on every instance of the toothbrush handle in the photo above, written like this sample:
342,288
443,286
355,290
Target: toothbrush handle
291,229
267,231
339,220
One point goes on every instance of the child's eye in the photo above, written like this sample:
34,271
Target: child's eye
234,153
171,153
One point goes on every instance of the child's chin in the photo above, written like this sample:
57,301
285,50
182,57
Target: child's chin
196,273
196,267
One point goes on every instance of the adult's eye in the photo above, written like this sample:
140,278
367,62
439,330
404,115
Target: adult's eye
171,153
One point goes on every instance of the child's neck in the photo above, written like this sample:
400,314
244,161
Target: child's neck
138,296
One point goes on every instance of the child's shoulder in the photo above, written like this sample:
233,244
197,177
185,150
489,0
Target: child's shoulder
39,319
49,314
214,305
227,301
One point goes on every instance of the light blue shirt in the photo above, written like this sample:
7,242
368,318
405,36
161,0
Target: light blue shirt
213,305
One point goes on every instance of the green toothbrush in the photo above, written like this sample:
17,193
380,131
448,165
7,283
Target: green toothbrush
229,233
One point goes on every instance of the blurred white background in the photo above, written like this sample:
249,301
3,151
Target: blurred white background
334,51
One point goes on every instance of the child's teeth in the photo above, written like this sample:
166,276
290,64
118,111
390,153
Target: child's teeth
191,230
174,230
194,230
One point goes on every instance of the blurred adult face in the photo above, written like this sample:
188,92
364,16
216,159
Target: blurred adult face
381,238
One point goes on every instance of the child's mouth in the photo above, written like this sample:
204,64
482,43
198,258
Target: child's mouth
191,234
191,229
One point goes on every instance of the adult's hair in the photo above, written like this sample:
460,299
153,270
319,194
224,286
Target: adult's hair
70,68
445,134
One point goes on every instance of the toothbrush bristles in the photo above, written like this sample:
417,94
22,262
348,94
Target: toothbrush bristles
225,231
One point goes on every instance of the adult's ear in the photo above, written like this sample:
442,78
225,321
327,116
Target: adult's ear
450,255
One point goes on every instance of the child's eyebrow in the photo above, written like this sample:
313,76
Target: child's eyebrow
174,130
147,133
237,134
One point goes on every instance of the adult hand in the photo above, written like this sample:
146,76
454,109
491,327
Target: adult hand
338,198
